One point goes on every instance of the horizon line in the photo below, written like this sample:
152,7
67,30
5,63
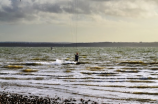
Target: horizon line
73,42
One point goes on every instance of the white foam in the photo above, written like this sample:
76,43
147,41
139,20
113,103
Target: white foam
57,62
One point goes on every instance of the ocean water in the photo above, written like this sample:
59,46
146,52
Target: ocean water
106,75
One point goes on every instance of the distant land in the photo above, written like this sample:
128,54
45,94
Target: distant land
90,44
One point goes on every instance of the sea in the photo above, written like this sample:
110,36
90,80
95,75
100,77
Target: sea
110,75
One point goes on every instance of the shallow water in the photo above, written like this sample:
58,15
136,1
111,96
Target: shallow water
106,75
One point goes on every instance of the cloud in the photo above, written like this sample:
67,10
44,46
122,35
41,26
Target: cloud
35,11
127,8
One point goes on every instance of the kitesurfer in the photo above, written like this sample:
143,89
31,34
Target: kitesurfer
76,57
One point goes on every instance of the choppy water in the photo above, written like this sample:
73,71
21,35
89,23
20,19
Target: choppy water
107,75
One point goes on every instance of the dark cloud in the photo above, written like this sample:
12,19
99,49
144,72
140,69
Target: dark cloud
14,13
29,10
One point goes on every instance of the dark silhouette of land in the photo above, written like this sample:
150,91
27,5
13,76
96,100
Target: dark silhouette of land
92,44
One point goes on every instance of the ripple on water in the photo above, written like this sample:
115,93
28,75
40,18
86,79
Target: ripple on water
114,75
30,70
13,66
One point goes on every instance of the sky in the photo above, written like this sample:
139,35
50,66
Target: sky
79,20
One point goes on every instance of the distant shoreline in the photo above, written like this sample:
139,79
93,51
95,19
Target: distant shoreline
90,44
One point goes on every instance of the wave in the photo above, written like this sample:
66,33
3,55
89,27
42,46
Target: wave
57,62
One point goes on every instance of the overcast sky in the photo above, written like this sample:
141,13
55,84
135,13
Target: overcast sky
79,20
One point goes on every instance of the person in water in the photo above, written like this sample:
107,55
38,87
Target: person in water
76,57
